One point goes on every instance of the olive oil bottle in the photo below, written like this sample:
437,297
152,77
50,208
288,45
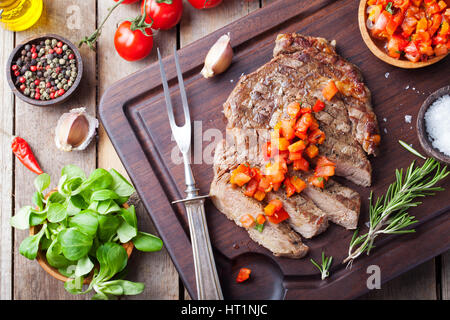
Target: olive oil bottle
18,15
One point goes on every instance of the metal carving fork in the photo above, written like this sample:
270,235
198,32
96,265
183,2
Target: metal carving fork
208,285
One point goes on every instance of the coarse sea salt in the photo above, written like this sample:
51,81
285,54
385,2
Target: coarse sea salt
437,124
408,118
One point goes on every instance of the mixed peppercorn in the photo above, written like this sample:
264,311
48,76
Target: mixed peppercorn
45,70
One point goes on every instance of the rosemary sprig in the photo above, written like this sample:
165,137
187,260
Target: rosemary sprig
389,213
411,149
324,268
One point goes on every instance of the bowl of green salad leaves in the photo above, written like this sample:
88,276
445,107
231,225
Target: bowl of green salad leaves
83,232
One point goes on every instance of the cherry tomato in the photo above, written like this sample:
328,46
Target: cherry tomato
204,4
130,44
165,14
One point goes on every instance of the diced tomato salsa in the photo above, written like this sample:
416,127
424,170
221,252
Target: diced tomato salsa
293,141
416,30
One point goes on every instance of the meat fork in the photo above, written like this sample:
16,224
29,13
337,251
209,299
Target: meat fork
208,285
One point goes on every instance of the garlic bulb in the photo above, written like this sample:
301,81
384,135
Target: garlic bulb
75,130
219,57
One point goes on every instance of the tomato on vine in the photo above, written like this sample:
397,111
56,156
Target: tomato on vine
131,42
92,39
165,14
204,4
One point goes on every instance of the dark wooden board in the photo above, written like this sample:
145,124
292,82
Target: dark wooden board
134,115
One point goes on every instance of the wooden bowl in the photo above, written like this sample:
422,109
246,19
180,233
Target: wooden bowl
42,260
43,103
379,53
421,130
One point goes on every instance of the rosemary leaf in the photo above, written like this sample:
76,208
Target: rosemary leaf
325,267
388,214
411,149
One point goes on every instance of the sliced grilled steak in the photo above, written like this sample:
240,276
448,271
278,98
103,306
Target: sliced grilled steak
304,216
319,55
342,207
300,69
258,99
278,238
341,204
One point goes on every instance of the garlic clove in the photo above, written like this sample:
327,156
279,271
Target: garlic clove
75,130
219,57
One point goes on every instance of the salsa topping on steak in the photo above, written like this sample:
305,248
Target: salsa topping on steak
298,120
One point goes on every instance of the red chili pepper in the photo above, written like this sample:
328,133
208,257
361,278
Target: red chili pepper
243,275
23,152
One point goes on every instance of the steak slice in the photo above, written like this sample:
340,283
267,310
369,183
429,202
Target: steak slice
304,216
278,238
353,92
258,99
342,203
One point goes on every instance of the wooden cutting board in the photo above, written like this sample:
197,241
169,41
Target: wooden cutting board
134,114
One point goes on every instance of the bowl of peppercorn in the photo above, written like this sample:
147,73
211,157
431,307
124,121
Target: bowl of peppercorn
44,70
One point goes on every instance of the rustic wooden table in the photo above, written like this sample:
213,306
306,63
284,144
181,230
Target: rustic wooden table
23,279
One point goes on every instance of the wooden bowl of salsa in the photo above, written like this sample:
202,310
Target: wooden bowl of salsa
401,50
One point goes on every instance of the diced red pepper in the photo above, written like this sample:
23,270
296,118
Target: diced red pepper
380,24
244,274
396,45
316,136
289,187
298,146
247,221
394,22
317,182
251,187
325,171
259,195
319,106
303,123
293,110
260,219
298,184
295,156
312,151
240,179
329,90
301,164
412,52
278,216
324,161
287,129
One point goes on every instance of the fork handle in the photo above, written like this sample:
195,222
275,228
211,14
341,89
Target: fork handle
208,285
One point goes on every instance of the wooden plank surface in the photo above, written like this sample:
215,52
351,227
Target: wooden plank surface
155,269
195,24
6,168
36,125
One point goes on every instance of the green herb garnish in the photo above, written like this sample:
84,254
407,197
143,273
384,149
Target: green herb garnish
81,228
388,215
389,8
411,149
259,227
325,267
